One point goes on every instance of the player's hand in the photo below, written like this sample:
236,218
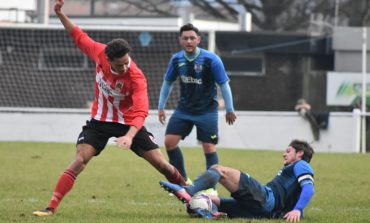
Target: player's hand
124,142
58,6
230,117
162,116
293,216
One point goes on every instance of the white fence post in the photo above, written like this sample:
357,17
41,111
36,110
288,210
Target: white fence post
357,130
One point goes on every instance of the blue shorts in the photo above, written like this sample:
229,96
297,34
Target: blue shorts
181,123
252,200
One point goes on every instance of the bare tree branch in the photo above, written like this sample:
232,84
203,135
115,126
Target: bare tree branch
204,4
266,14
229,8
151,6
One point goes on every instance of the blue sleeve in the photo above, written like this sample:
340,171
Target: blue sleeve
170,74
305,197
303,171
165,91
304,174
218,70
226,94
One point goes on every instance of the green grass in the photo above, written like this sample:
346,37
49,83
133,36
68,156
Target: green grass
118,186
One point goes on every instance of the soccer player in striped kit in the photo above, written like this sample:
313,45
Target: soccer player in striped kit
119,110
199,71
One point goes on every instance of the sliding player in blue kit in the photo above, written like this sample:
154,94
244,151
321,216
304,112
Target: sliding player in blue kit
199,71
285,196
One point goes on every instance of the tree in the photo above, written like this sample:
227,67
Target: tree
356,13
269,15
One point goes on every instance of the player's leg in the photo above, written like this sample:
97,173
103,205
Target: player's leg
233,209
90,143
204,181
66,180
249,198
144,147
178,128
250,194
228,177
157,160
207,133
65,183
210,154
174,153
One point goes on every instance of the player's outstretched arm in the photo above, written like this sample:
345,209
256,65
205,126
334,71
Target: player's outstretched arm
162,116
304,198
226,94
163,96
126,140
230,117
67,23
293,216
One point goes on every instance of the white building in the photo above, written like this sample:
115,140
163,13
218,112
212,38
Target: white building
17,11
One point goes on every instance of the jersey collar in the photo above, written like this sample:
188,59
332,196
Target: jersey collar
191,57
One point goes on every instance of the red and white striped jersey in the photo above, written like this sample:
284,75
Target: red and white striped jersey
118,98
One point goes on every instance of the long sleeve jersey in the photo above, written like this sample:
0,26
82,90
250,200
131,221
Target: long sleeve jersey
118,98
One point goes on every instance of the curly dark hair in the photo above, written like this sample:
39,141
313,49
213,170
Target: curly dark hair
189,27
117,48
301,145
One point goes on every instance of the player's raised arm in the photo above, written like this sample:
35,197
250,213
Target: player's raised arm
67,23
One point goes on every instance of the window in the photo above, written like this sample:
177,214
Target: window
244,65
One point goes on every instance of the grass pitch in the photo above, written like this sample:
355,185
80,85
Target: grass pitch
118,186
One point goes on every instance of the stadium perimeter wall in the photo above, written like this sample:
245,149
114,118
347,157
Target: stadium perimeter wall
252,130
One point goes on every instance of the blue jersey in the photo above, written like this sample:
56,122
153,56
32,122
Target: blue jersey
198,77
287,185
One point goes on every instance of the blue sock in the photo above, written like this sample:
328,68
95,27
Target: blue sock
206,180
177,160
211,159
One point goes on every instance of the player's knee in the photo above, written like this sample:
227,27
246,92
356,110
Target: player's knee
170,145
209,148
80,161
78,165
217,167
171,141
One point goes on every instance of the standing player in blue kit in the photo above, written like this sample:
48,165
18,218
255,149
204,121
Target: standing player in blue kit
199,71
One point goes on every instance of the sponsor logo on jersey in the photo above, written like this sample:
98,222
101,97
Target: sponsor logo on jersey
190,80
181,64
108,91
198,68
119,86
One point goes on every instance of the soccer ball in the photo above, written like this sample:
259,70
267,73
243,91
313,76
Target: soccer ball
201,201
